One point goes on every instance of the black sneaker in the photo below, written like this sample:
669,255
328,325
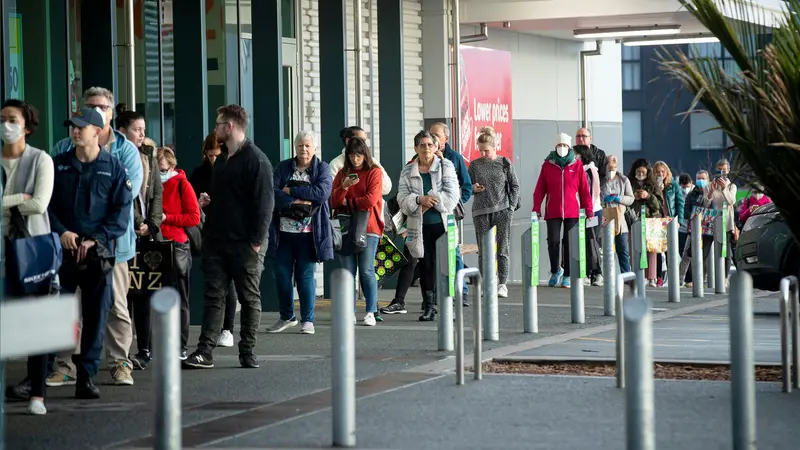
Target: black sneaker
141,360
198,360
183,355
21,391
86,390
248,361
394,308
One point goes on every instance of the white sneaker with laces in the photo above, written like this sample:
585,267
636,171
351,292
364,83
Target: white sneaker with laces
225,339
369,320
281,325
502,291
36,407
598,280
307,328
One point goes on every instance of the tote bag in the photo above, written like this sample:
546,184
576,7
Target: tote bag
353,231
152,268
33,261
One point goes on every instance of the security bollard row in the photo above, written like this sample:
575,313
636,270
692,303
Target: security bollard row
622,279
697,256
343,359
491,331
720,250
577,268
673,265
530,277
790,323
639,252
477,369
639,395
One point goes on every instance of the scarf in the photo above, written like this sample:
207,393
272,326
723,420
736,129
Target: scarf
562,161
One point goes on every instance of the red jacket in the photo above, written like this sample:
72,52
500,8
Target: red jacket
364,196
567,191
181,208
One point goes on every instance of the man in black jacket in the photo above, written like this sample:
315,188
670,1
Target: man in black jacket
584,137
234,236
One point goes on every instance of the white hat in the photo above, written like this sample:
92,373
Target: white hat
563,138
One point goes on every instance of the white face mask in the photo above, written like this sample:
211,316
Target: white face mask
687,189
562,150
641,177
612,173
660,180
11,132
758,195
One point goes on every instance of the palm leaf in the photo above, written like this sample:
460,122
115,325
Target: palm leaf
759,108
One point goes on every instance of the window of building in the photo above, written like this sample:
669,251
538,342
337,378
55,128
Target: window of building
703,135
631,68
631,131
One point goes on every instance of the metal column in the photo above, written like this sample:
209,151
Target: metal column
343,364
609,268
530,277
455,96
358,63
577,255
698,282
167,338
711,265
477,348
721,249
488,251
130,56
674,263
639,252
622,280
639,396
743,384
444,299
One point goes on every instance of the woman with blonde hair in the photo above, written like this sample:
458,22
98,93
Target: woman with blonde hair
674,198
496,193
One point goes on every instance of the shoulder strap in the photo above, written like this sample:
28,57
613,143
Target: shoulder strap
18,222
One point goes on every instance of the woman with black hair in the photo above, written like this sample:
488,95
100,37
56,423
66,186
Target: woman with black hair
647,193
338,163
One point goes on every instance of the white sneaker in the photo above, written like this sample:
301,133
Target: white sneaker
369,320
225,339
653,283
36,407
281,325
502,291
598,280
307,328
355,320
587,281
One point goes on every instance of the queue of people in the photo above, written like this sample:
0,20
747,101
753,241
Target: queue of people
109,193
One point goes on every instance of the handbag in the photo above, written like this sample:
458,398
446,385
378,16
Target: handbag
388,259
152,268
33,261
352,227
195,233
458,213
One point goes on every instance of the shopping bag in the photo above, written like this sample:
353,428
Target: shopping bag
614,213
656,229
152,268
388,259
33,261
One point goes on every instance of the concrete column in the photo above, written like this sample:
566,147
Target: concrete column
391,87
436,62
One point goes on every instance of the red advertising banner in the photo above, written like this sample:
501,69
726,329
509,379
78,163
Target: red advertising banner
486,99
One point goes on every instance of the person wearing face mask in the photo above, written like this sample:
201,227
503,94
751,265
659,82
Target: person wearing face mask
648,193
562,181
693,199
617,193
119,335
752,203
685,181
593,268
27,177
723,191
673,205
301,231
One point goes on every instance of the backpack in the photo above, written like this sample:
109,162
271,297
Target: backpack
195,233
506,169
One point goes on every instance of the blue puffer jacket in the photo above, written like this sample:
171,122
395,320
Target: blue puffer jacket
128,154
318,194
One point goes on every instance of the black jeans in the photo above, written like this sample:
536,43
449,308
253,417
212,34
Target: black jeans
230,308
139,306
37,374
682,238
404,278
224,262
427,274
555,242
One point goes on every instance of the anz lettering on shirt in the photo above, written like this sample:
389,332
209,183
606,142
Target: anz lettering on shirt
101,172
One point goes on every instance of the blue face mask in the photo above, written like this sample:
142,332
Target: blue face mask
701,183
165,175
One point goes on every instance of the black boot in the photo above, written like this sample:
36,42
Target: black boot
85,389
21,391
428,306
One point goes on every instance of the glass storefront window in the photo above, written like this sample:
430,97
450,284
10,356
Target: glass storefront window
287,19
168,71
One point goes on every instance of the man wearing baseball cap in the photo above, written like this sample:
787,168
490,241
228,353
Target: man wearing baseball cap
92,198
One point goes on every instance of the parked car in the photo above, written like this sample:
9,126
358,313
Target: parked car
766,249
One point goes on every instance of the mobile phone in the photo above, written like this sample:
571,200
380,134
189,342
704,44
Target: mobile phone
353,176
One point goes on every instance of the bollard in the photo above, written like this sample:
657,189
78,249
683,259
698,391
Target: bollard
2,399
795,311
721,251
639,397
622,279
577,268
343,364
530,277
639,252
489,273
609,268
444,291
167,340
477,331
743,383
787,347
476,275
673,265
697,256
711,264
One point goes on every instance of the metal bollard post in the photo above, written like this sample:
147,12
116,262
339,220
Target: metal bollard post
577,268
477,331
489,272
743,383
786,346
622,279
530,277
721,249
673,265
445,301
697,256
639,253
2,400
795,310
711,277
639,397
609,268
476,275
167,340
343,364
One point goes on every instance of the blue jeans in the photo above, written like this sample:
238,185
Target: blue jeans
365,261
621,244
296,255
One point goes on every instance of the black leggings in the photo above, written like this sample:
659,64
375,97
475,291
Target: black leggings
427,279
555,242
230,308
37,374
404,278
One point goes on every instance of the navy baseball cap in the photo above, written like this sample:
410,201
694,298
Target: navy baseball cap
84,117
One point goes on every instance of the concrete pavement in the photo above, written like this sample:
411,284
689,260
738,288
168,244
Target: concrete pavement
226,402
